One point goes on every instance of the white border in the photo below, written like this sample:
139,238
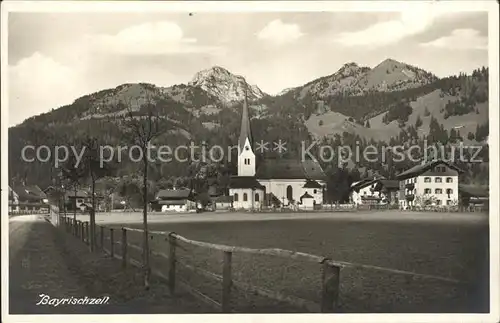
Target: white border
254,6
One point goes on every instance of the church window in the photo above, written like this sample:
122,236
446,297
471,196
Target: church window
236,197
245,197
315,191
289,192
257,197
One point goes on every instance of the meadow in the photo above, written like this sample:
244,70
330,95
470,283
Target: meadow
448,245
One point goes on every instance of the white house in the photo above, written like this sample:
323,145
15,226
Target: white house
273,181
374,191
174,200
430,183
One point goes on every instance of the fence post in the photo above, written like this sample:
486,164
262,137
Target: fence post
330,286
102,237
171,263
112,249
87,233
226,282
124,247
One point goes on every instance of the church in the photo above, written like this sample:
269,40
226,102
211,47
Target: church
274,182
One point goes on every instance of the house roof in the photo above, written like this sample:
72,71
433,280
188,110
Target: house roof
173,194
422,168
389,183
361,184
244,182
312,184
306,196
29,193
290,169
471,190
272,198
79,194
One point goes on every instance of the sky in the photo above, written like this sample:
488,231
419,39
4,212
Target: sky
54,58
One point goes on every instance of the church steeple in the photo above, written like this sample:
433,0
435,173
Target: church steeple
246,156
245,132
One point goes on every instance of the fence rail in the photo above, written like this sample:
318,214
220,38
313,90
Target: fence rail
329,269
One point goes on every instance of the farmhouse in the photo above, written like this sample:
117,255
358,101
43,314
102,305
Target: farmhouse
375,191
430,183
273,181
174,200
27,198
473,196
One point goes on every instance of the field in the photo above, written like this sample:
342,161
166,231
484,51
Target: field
441,244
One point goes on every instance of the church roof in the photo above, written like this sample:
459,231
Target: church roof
244,182
312,184
245,131
289,169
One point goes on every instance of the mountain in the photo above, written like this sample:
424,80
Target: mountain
224,85
352,80
392,102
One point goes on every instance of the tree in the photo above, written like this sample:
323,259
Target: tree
418,122
470,136
73,173
367,125
141,128
93,170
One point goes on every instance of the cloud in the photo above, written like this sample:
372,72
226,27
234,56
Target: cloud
460,39
37,84
280,33
411,21
155,38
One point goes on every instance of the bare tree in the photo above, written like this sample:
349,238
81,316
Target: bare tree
142,126
93,169
73,173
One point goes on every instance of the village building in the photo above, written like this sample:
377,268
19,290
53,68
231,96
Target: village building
273,182
27,198
432,183
474,197
374,191
174,200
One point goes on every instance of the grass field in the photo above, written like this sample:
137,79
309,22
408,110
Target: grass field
447,245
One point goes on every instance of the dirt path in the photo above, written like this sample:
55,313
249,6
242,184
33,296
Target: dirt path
45,260
36,267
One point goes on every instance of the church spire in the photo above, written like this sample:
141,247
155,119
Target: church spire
246,132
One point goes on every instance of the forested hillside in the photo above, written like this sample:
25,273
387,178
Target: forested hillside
393,103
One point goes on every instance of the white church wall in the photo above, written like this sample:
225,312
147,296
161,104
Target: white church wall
279,188
238,198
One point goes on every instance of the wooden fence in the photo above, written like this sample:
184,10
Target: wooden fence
115,243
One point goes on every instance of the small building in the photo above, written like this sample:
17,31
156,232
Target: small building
307,202
474,196
28,198
174,200
374,191
223,202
